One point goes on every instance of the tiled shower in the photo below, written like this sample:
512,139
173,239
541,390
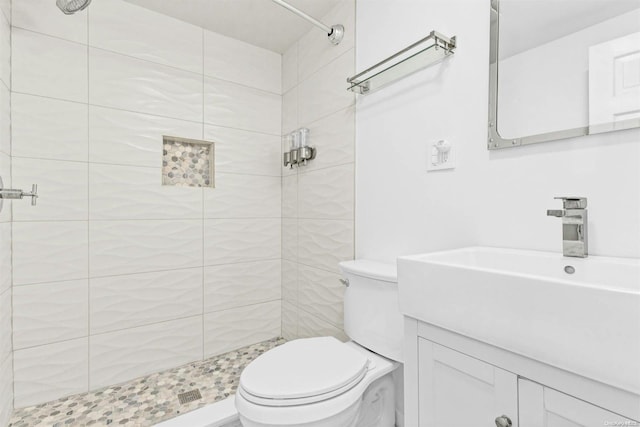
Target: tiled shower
113,275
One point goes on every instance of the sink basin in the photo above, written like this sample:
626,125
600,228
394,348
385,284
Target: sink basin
577,314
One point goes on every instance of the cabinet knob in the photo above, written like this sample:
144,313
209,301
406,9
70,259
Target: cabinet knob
503,421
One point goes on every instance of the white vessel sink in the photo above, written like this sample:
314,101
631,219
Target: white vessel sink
587,322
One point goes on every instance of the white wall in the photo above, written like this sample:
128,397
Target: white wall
318,199
6,350
496,198
116,276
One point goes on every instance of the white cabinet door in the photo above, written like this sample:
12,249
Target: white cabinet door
456,390
540,406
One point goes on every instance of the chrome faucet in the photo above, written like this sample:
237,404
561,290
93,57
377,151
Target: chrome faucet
574,226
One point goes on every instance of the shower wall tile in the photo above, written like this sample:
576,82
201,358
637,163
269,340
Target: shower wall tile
126,247
334,137
231,329
121,302
312,326
325,92
243,196
134,139
59,250
5,256
5,173
240,240
128,83
240,107
50,312
321,294
235,61
289,281
290,239
243,152
334,196
324,243
62,190
50,371
49,20
154,37
290,196
131,353
48,66
5,51
236,285
290,111
6,390
5,325
289,320
5,7
314,52
47,128
127,192
5,119
290,68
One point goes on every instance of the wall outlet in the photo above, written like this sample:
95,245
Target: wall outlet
441,155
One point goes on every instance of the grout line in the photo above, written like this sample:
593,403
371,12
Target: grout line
88,207
212,173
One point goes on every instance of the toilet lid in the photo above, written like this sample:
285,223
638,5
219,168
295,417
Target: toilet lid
303,369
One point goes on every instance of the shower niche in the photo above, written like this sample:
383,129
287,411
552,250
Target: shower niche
187,162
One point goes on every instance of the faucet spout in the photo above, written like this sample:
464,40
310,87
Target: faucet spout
556,212
574,226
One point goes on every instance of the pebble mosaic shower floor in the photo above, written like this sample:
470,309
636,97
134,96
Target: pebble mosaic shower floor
148,400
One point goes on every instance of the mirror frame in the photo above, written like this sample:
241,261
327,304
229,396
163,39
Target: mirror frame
495,141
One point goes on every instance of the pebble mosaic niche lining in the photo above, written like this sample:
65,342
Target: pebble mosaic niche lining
148,400
187,162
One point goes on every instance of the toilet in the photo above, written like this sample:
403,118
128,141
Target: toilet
323,382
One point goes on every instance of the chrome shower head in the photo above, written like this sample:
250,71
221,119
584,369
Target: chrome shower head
69,7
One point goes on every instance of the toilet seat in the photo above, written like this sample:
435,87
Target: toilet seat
302,372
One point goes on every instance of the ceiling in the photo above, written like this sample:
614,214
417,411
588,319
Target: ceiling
258,22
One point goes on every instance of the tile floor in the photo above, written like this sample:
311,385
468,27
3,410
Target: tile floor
148,400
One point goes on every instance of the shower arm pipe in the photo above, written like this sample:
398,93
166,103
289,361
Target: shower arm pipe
335,32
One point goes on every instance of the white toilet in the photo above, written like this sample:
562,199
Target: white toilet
322,382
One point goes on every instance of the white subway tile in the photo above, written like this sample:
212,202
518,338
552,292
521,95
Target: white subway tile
324,243
236,285
290,68
5,256
128,83
49,251
47,128
120,302
154,37
50,372
240,107
236,61
50,312
128,192
327,193
126,247
243,196
131,353
229,330
135,139
321,294
48,66
43,16
240,240
62,190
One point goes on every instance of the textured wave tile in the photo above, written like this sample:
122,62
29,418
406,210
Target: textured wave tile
110,28
5,325
240,240
334,137
231,329
290,68
240,151
290,196
5,39
134,139
310,326
289,281
240,107
324,243
132,84
125,247
5,256
290,239
234,285
327,193
321,294
48,128
48,66
5,117
290,111
5,172
62,190
58,249
44,17
229,59
325,92
120,302
289,321
51,371
131,353
127,192
243,196
6,389
50,312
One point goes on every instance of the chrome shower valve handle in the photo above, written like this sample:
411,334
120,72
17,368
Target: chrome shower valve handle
17,194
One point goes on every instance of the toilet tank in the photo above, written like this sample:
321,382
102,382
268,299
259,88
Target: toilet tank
371,311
